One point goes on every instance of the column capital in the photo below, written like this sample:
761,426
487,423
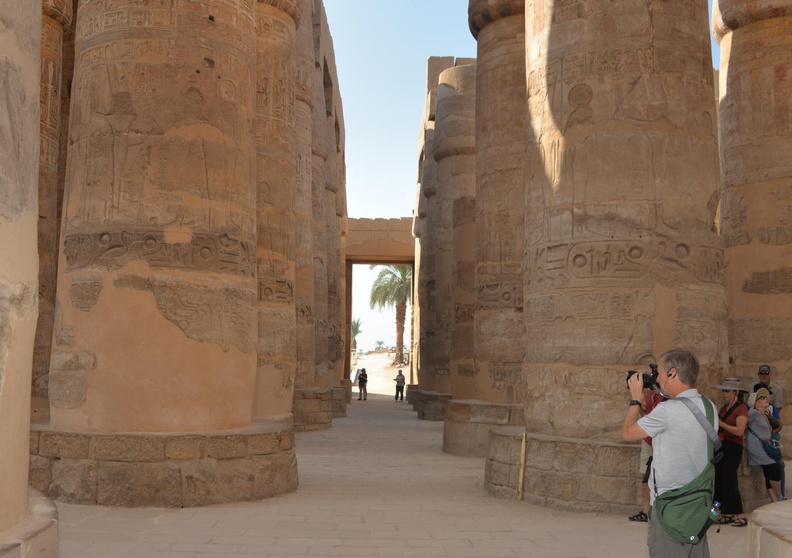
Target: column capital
59,10
483,12
292,8
728,15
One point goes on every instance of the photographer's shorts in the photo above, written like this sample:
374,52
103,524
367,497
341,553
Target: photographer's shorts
646,453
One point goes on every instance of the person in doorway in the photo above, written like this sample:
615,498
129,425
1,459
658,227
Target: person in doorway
733,417
362,382
679,443
400,381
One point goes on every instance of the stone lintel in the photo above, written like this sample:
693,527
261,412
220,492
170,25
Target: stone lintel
163,469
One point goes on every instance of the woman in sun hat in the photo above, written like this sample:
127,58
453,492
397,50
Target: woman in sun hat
759,432
733,417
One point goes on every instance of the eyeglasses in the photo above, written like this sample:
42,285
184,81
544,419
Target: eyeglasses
761,397
764,373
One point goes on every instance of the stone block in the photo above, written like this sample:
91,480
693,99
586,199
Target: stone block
490,414
40,474
274,474
458,411
504,444
63,445
128,448
287,440
34,442
539,454
74,482
574,457
306,406
11,550
550,484
264,444
235,479
129,485
610,458
502,474
186,447
199,482
610,490
227,447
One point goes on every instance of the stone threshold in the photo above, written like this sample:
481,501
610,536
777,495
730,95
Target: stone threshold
163,469
37,533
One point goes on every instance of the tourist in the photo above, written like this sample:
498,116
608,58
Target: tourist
776,393
362,381
679,443
759,432
400,381
733,417
645,466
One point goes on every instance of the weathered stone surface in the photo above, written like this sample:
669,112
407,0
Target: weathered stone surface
275,474
227,447
127,448
63,445
186,447
74,482
40,474
139,484
264,444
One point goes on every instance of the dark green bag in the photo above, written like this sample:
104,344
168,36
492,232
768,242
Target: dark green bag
687,512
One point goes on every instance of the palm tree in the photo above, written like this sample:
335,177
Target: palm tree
356,323
391,288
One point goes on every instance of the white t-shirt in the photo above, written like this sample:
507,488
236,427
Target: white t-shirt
679,442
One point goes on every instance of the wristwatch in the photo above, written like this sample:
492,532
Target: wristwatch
635,402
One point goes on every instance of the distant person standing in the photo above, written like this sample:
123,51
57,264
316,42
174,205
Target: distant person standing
400,381
362,382
776,393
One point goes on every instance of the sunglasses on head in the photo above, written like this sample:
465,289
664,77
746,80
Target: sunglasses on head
764,373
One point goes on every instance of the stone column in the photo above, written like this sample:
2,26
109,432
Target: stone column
622,258
305,100
427,370
57,17
319,152
499,28
20,44
454,151
328,379
156,280
756,171
276,150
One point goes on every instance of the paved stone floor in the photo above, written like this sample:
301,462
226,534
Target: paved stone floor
376,484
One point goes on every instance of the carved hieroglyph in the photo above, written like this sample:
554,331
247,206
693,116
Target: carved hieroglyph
56,18
276,159
156,282
622,260
500,197
455,229
756,170
20,44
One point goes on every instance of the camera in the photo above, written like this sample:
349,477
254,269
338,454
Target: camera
649,380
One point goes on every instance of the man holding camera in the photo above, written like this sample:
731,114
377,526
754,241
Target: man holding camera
679,442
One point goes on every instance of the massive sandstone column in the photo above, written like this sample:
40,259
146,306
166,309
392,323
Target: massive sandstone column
623,261
305,101
427,371
154,327
455,229
499,29
756,171
20,42
57,17
276,150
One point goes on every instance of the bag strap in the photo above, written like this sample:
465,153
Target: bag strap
706,423
757,435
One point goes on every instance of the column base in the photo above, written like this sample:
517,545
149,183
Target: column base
568,474
347,385
468,423
409,393
339,402
431,405
163,469
770,531
37,533
313,409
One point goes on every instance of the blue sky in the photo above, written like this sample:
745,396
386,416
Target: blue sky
381,48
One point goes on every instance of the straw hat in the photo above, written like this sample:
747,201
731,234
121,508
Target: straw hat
754,396
731,384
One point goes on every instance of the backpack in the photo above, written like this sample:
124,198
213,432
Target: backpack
687,512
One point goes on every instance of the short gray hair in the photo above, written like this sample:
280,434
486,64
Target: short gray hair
686,364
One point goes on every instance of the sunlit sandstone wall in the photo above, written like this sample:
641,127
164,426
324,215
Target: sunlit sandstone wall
622,259
154,326
756,167
57,18
20,44
455,230
276,158
499,29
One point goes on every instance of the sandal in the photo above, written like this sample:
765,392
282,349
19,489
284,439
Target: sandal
640,516
739,522
725,519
